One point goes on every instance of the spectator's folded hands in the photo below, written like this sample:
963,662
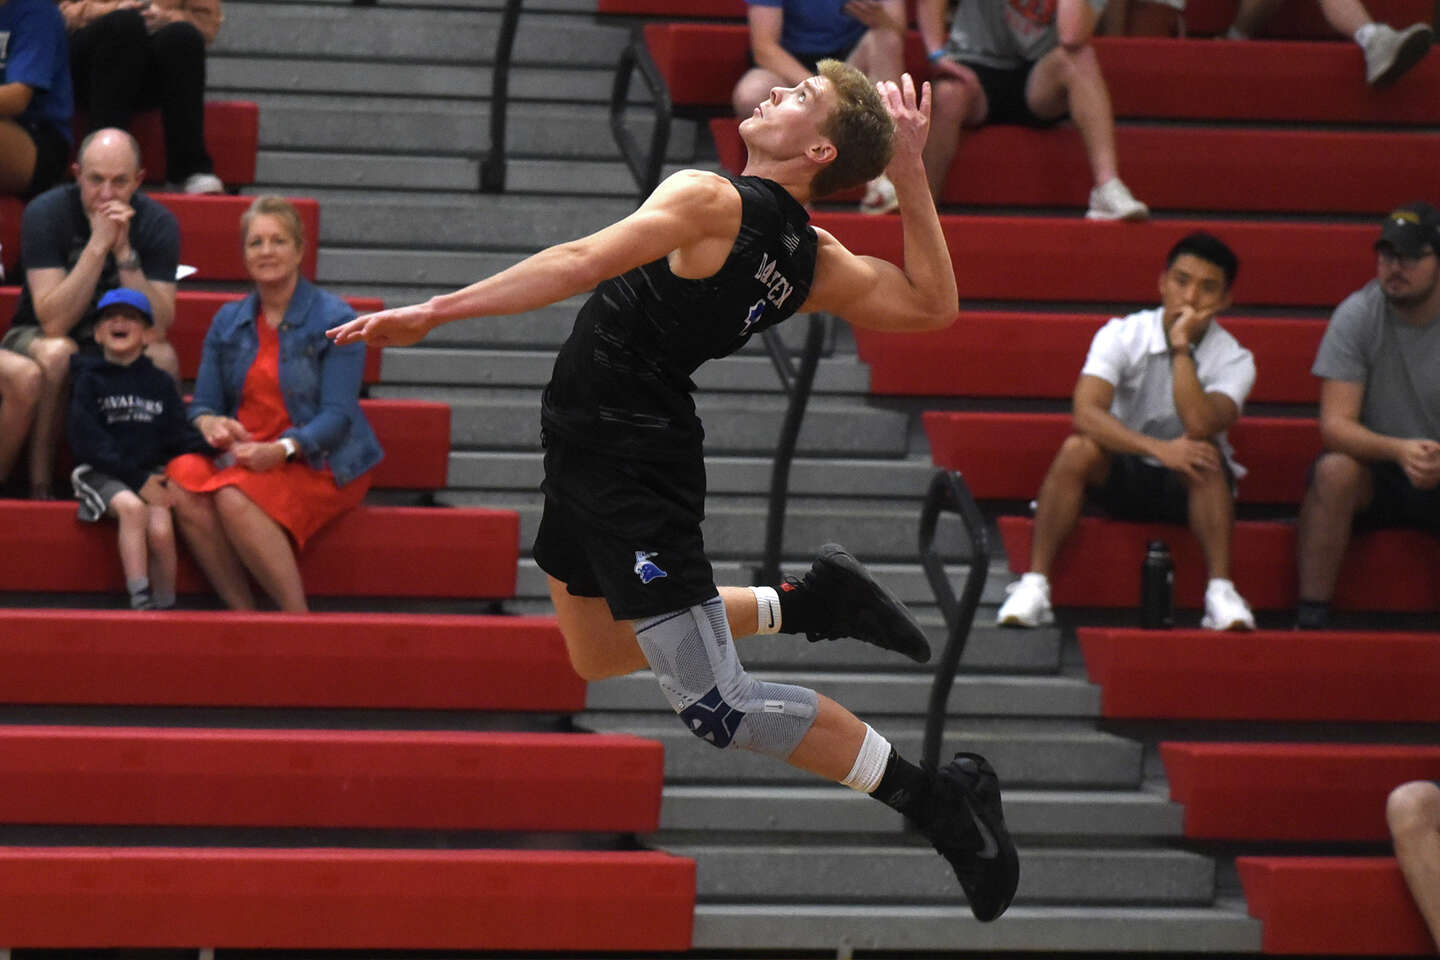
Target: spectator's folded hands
259,456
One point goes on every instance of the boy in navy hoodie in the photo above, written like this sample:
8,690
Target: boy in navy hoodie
126,422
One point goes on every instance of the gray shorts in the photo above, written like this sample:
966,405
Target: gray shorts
19,339
94,490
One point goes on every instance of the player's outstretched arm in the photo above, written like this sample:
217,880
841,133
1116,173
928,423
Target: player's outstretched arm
874,293
690,213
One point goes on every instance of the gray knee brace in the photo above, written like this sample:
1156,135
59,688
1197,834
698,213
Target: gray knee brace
694,659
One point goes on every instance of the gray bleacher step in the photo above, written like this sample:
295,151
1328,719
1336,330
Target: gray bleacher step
842,928
227,75
551,6
1033,816
451,222
509,418
1025,753
809,476
913,874
532,368
904,578
867,694
354,268
386,33
294,121
589,178
886,531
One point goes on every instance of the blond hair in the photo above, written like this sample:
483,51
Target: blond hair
860,128
270,205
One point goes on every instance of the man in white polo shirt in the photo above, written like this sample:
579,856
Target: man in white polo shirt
1157,393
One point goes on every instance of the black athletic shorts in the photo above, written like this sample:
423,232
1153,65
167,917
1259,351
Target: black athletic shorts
625,530
812,60
1141,492
1397,503
1005,94
52,155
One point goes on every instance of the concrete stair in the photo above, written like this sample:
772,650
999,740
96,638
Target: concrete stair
382,114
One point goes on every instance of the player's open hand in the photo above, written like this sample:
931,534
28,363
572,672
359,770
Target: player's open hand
911,115
399,327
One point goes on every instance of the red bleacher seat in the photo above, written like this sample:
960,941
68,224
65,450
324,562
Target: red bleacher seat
380,551
1302,18
232,138
1183,168
1332,906
339,778
1392,570
224,658
194,309
1286,81
1071,259
415,435
209,233
734,9
346,899
1291,791
1004,456
1013,354
1338,676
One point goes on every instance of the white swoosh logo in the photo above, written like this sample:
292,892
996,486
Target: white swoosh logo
990,849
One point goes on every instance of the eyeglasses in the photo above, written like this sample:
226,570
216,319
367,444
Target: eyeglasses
1388,255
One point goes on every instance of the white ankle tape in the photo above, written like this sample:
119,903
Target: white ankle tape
869,762
767,609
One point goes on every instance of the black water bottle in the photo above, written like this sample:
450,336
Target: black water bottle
1157,588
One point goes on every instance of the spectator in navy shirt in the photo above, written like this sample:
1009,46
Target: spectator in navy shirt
126,423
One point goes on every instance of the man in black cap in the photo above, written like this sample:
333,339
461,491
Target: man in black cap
1379,407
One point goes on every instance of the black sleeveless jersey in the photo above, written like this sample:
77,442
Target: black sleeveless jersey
621,383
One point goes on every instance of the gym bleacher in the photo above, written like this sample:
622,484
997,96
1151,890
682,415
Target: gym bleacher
416,768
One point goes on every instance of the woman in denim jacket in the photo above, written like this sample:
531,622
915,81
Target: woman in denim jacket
282,401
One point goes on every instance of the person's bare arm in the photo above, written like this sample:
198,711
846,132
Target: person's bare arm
1075,20
203,15
1090,407
14,98
1341,430
874,293
765,24
693,218
1204,415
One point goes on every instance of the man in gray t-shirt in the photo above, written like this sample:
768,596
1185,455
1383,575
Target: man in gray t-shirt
1028,62
1379,407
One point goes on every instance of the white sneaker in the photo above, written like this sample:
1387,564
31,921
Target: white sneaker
879,196
1027,603
1391,52
1225,609
1112,200
203,183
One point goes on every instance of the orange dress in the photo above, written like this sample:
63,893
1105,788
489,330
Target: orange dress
296,496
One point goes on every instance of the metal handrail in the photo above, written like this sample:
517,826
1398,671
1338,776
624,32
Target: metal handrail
644,168
797,385
949,493
492,165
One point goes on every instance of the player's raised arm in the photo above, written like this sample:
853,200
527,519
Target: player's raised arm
874,293
690,213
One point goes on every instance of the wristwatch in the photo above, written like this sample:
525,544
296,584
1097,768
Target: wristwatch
131,262
291,447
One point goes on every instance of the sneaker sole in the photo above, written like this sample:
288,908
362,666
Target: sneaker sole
1006,859
1135,216
1020,623
1410,52
860,578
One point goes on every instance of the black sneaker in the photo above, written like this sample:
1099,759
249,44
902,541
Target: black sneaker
850,603
962,819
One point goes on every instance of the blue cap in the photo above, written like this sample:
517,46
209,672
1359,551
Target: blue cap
128,298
